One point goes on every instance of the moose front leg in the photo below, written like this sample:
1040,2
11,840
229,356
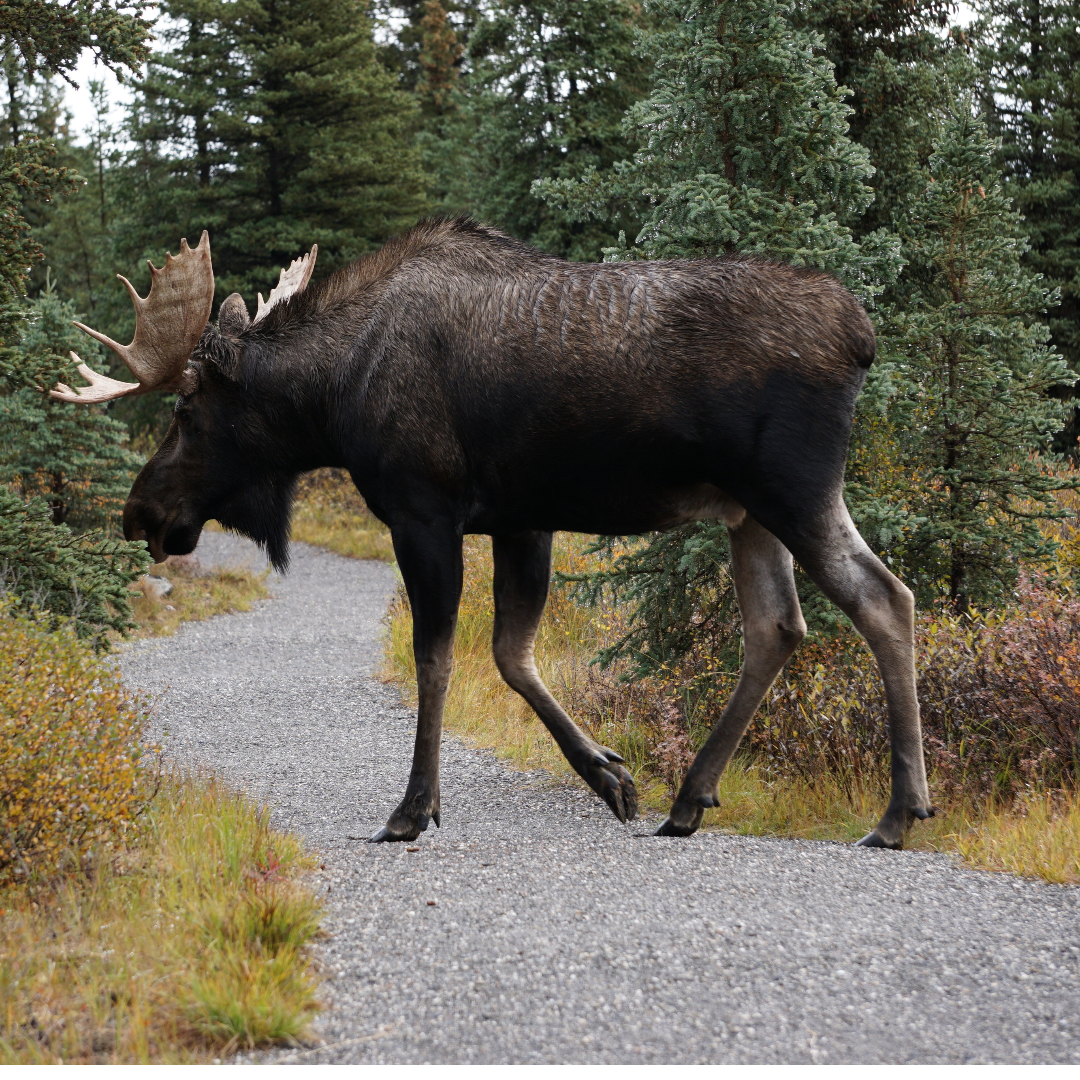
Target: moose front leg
430,564
522,572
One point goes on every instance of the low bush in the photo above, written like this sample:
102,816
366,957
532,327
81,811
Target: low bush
1000,698
73,767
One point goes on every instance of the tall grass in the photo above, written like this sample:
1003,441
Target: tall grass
188,945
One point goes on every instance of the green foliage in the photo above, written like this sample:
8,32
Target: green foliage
72,774
52,35
71,455
83,578
1033,56
898,65
743,147
679,589
549,85
42,36
972,370
273,125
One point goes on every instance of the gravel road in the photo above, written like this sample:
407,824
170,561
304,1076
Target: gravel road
533,927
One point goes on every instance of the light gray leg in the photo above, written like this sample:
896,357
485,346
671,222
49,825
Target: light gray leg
772,626
883,610
522,572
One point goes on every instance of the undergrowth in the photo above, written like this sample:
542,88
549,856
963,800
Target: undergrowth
142,918
188,944
196,593
330,513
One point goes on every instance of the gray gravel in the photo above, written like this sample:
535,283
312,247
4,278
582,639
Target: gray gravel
533,927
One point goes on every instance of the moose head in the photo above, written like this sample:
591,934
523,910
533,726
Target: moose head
209,465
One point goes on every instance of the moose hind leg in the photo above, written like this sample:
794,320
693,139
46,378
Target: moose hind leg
883,611
430,563
522,572
772,626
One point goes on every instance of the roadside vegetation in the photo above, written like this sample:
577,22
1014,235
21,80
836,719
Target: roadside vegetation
330,513
193,592
144,916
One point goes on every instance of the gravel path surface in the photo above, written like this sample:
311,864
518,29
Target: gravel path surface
533,927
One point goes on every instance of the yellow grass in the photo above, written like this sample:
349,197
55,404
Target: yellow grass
196,594
1040,839
330,513
190,944
1031,841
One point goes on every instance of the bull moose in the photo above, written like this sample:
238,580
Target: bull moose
471,384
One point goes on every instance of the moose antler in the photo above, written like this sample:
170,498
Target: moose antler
168,325
290,282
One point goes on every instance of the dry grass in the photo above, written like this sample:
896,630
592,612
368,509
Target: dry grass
632,718
1039,838
189,944
196,594
330,513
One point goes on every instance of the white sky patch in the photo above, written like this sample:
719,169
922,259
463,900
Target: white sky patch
77,102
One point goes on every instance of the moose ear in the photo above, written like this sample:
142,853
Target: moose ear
233,317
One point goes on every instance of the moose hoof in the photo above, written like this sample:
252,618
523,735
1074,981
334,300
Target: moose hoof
684,819
400,827
875,839
607,777
670,828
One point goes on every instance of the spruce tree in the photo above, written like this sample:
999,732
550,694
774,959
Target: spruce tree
549,84
1033,53
273,124
744,147
71,456
42,564
899,62
972,366
76,229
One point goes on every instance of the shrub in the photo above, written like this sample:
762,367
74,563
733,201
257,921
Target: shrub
1000,699
85,579
72,763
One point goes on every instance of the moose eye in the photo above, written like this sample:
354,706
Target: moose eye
183,417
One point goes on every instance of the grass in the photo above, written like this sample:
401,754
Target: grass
191,941
1036,838
195,594
330,513
188,945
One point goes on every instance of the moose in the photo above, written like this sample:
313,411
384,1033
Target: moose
471,384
